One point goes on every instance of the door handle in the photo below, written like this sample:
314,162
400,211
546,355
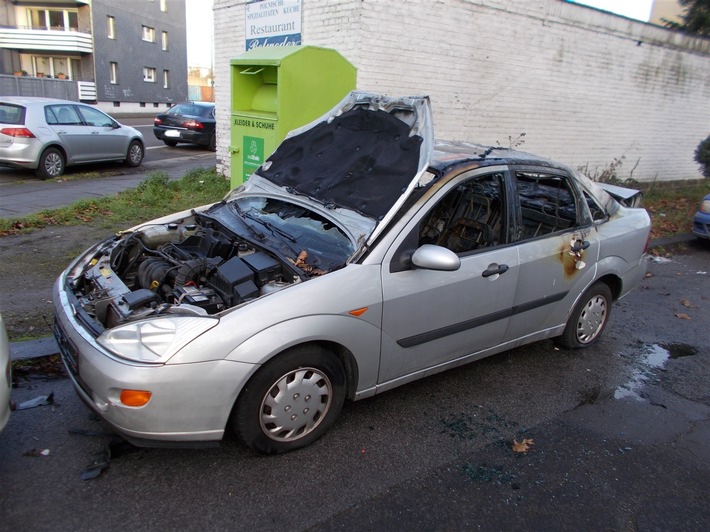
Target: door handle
495,269
580,245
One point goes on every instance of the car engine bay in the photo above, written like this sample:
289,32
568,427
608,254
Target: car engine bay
176,268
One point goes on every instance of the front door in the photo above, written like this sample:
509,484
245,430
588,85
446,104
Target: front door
434,317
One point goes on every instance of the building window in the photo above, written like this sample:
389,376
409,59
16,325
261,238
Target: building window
53,19
164,5
166,79
148,34
149,74
111,27
113,73
164,40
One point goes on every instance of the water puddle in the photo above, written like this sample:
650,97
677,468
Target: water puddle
654,357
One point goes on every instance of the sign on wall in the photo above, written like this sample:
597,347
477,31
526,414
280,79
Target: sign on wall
272,23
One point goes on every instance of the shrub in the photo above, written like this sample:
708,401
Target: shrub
702,156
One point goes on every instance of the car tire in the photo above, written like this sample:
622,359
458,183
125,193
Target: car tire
270,419
171,143
589,318
135,154
51,164
212,146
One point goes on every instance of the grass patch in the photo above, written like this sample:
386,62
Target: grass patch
673,204
156,196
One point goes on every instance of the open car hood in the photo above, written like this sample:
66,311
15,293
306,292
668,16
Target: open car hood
366,155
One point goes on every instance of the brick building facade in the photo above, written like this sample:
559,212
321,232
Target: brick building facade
586,87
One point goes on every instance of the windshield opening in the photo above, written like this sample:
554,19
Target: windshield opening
299,229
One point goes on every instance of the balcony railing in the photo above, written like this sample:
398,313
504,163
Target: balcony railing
84,91
52,40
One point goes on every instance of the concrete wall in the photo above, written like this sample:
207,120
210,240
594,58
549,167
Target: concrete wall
585,87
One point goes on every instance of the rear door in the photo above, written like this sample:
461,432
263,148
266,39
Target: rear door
65,121
558,248
434,317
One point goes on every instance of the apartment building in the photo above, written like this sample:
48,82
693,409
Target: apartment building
124,56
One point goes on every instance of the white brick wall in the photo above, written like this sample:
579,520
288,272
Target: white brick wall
586,87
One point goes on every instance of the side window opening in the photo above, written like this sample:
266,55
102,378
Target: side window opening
62,115
547,204
468,218
597,212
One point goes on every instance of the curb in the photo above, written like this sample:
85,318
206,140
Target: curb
42,347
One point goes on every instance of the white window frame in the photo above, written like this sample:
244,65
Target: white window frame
148,34
164,6
149,74
166,79
110,27
164,40
113,73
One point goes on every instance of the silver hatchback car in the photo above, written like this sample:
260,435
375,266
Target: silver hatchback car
47,135
360,256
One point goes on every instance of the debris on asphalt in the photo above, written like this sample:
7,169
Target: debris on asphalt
523,446
36,452
42,400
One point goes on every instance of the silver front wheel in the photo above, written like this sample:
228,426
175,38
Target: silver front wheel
291,401
296,404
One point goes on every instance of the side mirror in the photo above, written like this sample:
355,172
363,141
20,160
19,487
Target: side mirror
430,257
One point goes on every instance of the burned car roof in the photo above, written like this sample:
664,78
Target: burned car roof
448,154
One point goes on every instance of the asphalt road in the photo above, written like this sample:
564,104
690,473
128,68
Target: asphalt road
619,431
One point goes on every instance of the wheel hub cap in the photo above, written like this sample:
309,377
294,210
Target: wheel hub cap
296,404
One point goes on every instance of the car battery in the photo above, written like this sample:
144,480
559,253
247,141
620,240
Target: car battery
266,268
205,298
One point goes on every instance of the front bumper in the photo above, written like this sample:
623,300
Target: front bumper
190,403
701,225
181,135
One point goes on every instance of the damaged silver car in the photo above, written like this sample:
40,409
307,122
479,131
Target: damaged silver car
360,256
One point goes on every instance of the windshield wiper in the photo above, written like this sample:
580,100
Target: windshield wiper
271,227
242,215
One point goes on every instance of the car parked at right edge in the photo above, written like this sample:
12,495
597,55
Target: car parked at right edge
701,221
188,122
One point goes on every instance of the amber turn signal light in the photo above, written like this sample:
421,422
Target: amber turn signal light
135,397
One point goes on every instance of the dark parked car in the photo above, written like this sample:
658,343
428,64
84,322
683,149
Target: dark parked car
47,135
189,122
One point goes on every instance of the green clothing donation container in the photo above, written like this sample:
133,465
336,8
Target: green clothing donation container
276,90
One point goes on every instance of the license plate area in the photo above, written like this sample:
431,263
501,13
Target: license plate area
67,350
173,133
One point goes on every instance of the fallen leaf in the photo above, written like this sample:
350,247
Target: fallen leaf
687,304
648,274
682,316
523,446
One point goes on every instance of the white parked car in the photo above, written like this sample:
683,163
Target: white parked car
47,135
360,256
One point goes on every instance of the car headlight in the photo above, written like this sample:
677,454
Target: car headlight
154,341
705,206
